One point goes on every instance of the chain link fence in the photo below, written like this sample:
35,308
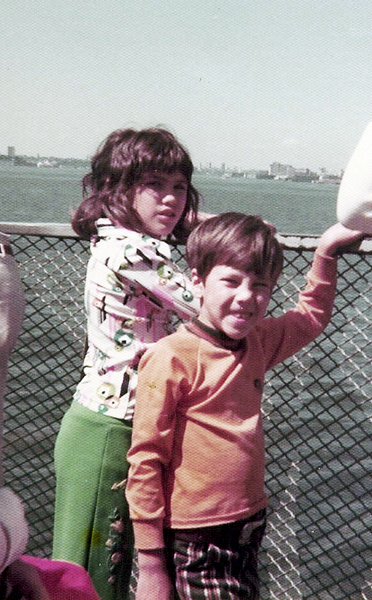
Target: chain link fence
317,414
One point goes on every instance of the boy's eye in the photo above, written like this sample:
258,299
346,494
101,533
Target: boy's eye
262,288
231,281
261,284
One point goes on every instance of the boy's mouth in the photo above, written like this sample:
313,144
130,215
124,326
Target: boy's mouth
242,315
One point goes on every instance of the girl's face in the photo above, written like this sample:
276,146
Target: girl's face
159,200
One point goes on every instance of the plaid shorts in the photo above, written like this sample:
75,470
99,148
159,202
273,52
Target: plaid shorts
217,563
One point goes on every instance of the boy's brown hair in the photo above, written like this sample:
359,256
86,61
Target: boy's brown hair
237,240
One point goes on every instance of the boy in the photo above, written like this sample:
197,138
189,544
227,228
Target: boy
196,481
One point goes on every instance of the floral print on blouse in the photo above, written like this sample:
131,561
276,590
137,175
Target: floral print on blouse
133,292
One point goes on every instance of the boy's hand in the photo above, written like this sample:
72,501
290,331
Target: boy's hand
153,581
339,237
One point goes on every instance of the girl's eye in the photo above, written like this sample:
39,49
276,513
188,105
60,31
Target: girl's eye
150,182
154,184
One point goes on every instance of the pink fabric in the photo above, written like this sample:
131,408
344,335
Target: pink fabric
63,580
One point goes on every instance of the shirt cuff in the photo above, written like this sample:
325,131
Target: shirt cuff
148,535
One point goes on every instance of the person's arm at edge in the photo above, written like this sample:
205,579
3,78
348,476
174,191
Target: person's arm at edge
26,581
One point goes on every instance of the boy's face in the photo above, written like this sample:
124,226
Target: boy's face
232,301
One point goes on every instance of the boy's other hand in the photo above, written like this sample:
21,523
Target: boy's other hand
153,580
337,238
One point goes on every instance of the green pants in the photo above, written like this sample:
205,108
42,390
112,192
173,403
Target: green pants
91,523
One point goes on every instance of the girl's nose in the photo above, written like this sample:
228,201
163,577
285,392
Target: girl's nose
169,197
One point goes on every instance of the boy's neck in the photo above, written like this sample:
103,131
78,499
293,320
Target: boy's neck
218,336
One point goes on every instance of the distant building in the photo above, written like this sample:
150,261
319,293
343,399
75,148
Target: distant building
264,175
11,151
304,175
279,171
329,178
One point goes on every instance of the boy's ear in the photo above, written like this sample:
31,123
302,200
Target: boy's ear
197,284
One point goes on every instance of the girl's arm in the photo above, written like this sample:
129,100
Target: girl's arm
203,216
191,224
146,264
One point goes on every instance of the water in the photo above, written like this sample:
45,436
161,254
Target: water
29,194
299,208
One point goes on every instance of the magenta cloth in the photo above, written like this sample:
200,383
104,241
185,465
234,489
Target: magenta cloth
63,580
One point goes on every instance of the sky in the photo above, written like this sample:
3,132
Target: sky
239,82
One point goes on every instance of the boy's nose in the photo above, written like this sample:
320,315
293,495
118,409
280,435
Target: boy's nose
244,294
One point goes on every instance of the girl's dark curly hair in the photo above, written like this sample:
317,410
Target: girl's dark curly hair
118,165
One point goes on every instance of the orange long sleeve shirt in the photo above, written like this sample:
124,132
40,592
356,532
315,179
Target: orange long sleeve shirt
197,455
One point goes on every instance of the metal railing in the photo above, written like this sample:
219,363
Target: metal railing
317,413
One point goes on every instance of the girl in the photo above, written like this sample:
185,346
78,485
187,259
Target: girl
137,196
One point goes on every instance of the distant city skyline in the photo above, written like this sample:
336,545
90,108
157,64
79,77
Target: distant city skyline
279,168
237,82
200,164
205,164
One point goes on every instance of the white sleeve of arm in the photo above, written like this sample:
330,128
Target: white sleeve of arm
13,528
354,202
